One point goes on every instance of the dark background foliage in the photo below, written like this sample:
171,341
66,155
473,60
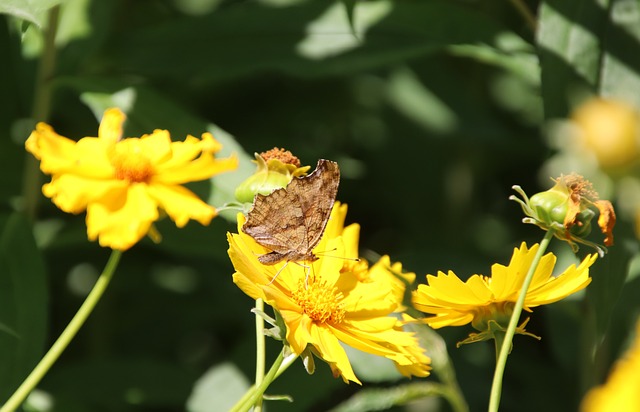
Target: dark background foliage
433,113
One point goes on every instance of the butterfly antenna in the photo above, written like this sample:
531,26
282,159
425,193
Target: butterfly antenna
324,254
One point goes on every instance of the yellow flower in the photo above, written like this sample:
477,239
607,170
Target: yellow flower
122,184
611,130
483,300
620,392
325,304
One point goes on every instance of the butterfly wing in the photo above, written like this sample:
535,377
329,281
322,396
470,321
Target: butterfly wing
273,219
316,195
290,221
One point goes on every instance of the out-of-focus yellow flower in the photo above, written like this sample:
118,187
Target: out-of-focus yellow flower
276,168
611,130
567,209
326,303
487,302
621,391
122,183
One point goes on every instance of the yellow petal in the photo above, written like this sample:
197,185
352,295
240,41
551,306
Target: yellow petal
56,153
181,204
72,193
330,349
120,225
193,160
110,129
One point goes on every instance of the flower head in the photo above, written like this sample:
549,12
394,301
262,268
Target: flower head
123,183
327,303
487,302
567,209
620,392
610,129
276,168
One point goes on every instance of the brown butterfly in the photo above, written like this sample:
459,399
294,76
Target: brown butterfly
290,221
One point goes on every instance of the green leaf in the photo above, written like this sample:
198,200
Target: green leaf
309,39
381,399
372,368
33,11
588,48
218,389
510,53
23,303
350,8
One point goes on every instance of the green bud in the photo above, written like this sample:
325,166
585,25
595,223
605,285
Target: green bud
263,182
270,175
582,227
551,206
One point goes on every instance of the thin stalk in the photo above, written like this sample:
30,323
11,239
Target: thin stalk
40,111
528,16
496,387
65,338
455,397
254,394
260,350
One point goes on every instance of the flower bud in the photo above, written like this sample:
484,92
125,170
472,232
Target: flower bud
275,169
567,209
551,206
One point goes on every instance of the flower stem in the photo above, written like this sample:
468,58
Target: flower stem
67,335
40,111
505,346
455,397
254,394
524,11
260,350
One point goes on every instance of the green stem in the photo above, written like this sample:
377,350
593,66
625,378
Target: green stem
505,347
260,350
528,16
40,111
453,393
455,397
67,335
254,394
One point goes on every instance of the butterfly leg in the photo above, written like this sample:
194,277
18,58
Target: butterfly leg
278,272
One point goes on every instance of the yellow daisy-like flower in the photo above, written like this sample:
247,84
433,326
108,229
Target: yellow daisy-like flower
620,392
122,184
482,299
326,304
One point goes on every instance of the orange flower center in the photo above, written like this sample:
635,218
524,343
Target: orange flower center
130,162
319,301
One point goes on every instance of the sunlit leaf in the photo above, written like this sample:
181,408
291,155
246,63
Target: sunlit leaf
586,48
381,399
218,389
33,11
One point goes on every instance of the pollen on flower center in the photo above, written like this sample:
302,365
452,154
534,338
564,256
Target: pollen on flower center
319,301
130,163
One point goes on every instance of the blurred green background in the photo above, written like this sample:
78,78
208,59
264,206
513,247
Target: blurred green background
433,109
